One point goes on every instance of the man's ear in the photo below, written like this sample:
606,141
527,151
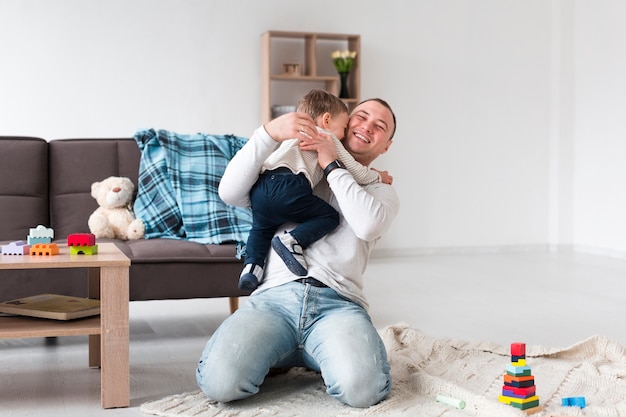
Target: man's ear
389,142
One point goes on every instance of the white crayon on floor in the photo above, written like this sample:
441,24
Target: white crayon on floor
454,402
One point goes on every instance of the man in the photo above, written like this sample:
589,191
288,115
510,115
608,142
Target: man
319,322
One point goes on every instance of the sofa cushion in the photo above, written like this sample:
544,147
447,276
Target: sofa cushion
77,163
161,250
23,186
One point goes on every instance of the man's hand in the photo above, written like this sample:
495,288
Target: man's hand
290,126
385,177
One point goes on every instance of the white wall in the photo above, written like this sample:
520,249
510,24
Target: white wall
486,154
600,125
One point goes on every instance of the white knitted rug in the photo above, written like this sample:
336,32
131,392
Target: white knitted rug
423,367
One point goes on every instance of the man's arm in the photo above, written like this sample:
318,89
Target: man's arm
244,168
369,210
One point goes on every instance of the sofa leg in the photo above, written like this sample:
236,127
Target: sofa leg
234,304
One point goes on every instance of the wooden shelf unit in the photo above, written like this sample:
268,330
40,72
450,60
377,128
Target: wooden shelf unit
312,51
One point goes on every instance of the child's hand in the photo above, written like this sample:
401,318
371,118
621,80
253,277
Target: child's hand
324,146
385,177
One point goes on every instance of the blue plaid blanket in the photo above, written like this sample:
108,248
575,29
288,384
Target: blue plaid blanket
177,188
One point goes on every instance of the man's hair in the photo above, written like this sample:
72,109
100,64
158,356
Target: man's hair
384,103
317,102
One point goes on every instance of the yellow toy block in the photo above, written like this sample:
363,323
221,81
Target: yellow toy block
521,403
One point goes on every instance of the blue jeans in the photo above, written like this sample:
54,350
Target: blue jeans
297,325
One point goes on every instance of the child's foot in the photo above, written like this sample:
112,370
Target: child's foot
249,278
291,253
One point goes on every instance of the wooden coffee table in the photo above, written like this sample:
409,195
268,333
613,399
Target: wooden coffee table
108,333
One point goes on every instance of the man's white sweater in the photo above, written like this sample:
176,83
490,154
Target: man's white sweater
338,259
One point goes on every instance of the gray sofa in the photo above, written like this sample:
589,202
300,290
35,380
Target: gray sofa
49,183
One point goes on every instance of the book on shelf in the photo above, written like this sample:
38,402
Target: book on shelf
52,306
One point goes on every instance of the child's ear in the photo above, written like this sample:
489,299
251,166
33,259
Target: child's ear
325,119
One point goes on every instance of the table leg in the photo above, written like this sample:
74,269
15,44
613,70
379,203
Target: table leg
115,373
93,291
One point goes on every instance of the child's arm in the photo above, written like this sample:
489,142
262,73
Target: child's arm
362,174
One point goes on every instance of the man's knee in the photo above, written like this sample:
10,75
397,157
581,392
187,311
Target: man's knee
358,391
220,386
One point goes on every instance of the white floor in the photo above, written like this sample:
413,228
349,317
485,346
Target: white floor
543,298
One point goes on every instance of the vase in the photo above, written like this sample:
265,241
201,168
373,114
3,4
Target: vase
343,92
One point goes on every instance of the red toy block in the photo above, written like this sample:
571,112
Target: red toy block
519,392
518,349
81,239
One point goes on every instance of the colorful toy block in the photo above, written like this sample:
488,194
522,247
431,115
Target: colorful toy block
519,381
518,349
518,362
81,239
519,388
37,240
518,370
17,247
44,249
84,250
574,402
519,392
41,231
82,243
520,403
40,234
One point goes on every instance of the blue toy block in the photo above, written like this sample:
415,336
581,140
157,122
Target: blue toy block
518,370
574,402
38,240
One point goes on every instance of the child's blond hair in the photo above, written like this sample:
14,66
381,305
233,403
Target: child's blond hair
317,102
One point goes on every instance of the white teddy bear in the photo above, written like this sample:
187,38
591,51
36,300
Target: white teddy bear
115,218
